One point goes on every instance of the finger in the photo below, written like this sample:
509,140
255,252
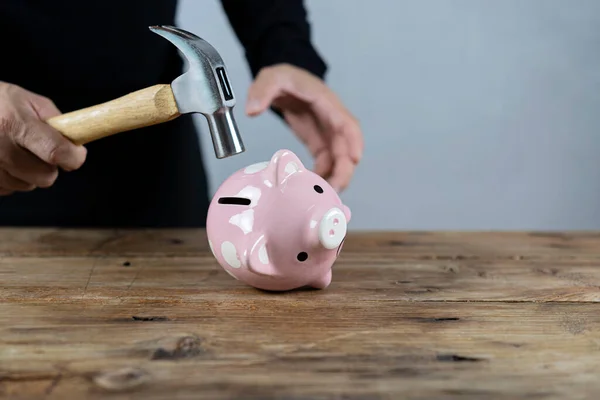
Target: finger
323,163
343,169
311,90
28,168
50,146
336,118
9,182
343,166
263,91
306,129
274,83
43,107
354,138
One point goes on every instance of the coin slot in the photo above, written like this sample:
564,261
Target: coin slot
238,201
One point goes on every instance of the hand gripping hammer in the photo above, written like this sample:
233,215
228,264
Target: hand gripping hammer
204,88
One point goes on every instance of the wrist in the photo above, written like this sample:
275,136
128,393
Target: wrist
280,50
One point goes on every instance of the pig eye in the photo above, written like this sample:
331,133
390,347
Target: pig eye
302,256
318,189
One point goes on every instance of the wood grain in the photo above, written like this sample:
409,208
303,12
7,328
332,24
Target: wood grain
125,314
139,109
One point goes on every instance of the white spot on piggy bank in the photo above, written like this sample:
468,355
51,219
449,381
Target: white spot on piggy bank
291,167
243,220
254,168
251,193
281,225
262,255
229,253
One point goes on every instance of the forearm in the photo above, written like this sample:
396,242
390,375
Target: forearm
273,32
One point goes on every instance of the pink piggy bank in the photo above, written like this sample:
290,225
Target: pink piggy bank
277,226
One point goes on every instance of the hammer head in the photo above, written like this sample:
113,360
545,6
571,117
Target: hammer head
205,88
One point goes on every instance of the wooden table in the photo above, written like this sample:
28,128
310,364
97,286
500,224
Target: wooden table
149,314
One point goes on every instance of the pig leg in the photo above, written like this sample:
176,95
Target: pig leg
322,282
258,260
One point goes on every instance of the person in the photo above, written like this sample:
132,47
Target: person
61,56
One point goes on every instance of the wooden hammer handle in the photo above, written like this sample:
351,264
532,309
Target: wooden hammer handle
145,107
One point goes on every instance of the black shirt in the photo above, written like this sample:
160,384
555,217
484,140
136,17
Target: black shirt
82,53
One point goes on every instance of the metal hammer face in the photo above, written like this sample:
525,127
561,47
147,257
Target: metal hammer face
205,88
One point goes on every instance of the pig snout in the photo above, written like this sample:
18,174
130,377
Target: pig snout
333,227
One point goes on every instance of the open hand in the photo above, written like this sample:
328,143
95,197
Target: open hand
315,114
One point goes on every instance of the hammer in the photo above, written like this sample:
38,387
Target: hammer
204,88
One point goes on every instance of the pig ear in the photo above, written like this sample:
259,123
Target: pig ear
283,164
258,260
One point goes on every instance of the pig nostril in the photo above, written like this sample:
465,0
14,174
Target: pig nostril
332,228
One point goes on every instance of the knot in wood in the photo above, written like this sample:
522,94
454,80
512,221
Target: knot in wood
183,347
121,379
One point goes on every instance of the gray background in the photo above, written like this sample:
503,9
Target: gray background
486,113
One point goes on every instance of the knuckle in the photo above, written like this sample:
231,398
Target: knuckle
5,157
283,80
56,153
45,102
273,71
269,69
11,183
338,125
262,72
347,125
284,67
11,89
8,125
27,187
45,180
17,131
264,75
15,93
62,154
344,124
13,86
8,128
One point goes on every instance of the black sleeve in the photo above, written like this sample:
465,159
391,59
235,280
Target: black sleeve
272,32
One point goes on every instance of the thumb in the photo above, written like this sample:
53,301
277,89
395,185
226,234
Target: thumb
262,92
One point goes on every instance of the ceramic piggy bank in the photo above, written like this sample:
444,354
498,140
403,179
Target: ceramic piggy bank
277,226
